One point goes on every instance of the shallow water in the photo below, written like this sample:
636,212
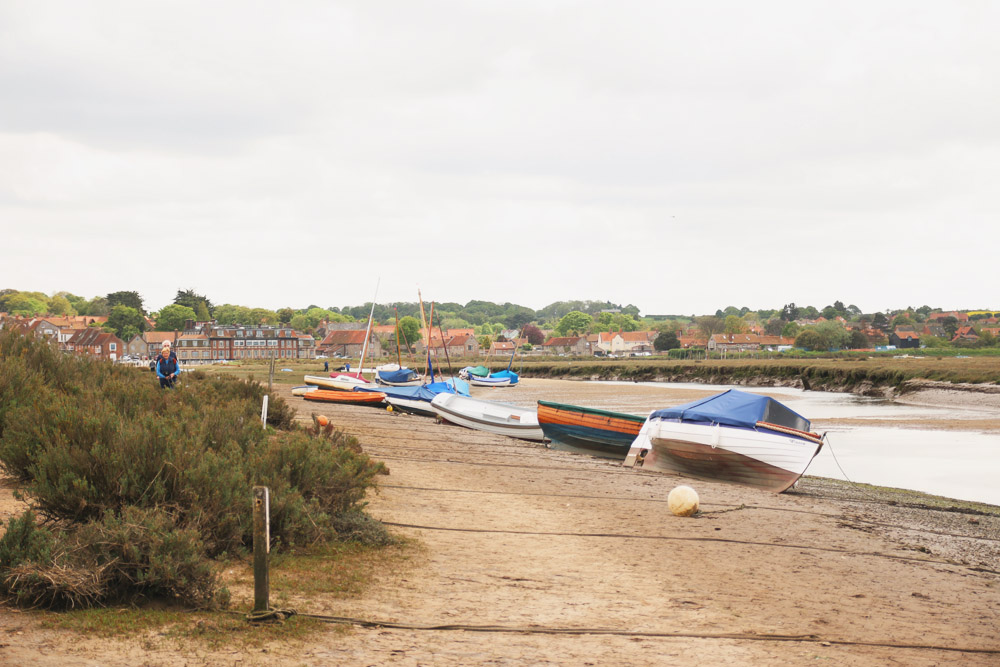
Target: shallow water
957,464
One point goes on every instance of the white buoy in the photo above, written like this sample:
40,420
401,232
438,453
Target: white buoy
683,501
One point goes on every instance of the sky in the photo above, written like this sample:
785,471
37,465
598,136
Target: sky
678,156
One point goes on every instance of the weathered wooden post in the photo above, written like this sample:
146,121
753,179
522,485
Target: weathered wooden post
261,548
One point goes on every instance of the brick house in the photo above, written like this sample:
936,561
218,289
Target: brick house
966,333
93,342
567,345
348,343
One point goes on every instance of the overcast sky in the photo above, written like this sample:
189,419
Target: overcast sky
678,156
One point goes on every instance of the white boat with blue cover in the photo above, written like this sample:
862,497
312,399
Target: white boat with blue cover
734,436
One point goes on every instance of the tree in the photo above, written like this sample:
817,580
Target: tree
130,299
25,305
533,334
409,329
616,322
858,341
574,322
516,317
189,298
122,317
734,324
285,315
709,325
809,339
950,325
790,312
173,317
774,327
667,340
881,322
790,330
60,305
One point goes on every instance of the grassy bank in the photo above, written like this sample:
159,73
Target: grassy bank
852,374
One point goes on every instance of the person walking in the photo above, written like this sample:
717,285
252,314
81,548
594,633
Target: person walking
166,367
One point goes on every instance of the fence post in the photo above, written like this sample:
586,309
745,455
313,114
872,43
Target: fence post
261,547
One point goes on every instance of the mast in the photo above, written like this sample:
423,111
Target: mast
368,332
399,360
430,367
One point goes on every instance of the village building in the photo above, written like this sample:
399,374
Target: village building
965,334
904,337
93,342
734,342
348,343
149,343
576,345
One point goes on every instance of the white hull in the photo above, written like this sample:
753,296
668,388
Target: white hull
498,418
411,405
756,457
476,381
340,383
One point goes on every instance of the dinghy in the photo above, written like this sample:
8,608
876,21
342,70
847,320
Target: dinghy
499,418
588,430
346,397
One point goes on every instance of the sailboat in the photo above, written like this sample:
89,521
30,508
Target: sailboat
480,376
397,375
348,380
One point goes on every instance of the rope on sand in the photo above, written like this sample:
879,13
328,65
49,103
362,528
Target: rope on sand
737,636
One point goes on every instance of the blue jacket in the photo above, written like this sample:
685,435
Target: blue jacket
166,367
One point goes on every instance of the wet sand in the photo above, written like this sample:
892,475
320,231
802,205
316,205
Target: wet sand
533,556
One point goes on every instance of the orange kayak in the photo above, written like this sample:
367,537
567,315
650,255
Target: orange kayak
348,397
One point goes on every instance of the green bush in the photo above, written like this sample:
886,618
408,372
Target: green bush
160,478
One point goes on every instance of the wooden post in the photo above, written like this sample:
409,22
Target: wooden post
261,547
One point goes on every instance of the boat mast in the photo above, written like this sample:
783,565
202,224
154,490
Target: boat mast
368,332
399,360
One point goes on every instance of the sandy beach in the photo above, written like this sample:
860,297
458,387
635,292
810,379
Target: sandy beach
531,556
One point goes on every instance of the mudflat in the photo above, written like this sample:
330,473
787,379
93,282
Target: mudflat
531,556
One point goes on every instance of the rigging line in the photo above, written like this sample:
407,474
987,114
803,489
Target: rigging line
829,442
543,630
674,538
664,500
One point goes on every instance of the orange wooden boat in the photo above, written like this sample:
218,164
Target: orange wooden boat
588,430
346,397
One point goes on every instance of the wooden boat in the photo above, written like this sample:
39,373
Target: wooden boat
734,436
499,418
346,397
588,430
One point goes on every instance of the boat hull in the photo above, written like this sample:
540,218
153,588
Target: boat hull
588,431
340,383
346,397
497,418
411,405
477,381
759,458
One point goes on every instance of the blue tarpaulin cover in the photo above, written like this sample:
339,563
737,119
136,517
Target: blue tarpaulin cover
735,408
402,375
506,374
425,392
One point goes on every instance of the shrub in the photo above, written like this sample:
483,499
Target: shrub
160,479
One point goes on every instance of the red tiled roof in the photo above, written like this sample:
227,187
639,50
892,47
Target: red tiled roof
565,341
